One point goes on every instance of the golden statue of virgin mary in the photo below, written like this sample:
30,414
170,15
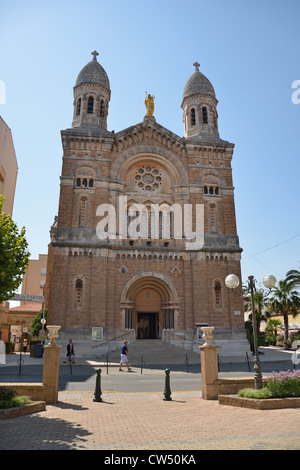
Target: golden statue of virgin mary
149,102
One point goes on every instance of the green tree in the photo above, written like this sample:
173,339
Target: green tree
272,329
285,302
293,278
36,324
261,308
13,255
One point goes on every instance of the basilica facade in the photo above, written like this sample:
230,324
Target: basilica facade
146,229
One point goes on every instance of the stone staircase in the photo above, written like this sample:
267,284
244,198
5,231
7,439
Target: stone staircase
151,352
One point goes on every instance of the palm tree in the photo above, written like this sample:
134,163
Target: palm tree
272,330
261,308
293,278
285,302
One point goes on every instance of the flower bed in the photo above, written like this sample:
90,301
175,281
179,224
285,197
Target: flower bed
280,390
10,399
259,404
277,385
12,404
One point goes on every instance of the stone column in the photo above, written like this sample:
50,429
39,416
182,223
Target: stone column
209,367
51,366
51,372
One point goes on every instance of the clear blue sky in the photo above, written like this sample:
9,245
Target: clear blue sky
249,50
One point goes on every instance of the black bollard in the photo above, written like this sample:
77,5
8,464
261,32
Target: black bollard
98,391
167,391
20,362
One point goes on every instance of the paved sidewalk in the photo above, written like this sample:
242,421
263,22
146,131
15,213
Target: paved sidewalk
144,421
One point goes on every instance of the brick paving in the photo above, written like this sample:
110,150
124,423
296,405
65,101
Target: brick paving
134,421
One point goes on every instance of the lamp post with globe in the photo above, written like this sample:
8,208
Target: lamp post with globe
269,281
42,332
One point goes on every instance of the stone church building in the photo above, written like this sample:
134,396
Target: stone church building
133,271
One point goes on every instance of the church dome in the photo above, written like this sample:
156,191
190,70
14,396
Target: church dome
199,105
91,96
198,84
93,73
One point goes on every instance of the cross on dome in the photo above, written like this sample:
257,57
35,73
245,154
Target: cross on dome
196,65
95,53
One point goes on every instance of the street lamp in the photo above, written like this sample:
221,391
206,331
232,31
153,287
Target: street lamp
43,320
42,331
269,281
232,281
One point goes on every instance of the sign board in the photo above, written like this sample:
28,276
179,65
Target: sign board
41,334
97,333
28,298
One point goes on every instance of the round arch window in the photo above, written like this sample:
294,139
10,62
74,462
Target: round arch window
148,178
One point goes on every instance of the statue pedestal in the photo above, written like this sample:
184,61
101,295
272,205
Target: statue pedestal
51,371
209,372
150,119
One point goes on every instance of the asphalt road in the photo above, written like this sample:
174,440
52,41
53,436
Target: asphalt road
82,377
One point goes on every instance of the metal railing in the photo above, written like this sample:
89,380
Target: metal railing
127,334
247,359
183,337
140,360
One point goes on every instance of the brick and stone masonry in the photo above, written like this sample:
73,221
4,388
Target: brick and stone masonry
144,284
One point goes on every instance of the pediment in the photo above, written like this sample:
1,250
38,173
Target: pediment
149,129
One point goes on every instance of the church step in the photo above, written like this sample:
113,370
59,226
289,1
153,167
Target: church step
152,352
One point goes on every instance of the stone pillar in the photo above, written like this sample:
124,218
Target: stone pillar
51,365
51,372
209,366
209,372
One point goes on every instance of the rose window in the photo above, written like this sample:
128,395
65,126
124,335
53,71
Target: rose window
148,178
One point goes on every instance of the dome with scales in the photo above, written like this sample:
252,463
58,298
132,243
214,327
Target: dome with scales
198,84
199,105
91,96
93,73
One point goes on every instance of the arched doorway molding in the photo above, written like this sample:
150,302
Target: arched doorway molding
156,280
163,286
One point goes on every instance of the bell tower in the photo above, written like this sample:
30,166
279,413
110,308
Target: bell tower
91,96
199,105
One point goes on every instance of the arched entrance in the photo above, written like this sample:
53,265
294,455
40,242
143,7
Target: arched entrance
148,308
149,303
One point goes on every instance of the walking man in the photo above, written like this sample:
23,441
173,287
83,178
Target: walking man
124,356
